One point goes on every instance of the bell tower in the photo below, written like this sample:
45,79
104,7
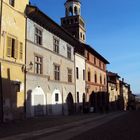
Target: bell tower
73,22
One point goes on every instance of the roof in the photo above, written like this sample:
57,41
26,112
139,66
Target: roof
73,1
95,53
112,74
35,14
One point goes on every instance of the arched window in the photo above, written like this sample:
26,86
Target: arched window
89,75
100,79
75,10
95,77
70,11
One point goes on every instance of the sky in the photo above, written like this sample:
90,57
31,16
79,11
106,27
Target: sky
112,29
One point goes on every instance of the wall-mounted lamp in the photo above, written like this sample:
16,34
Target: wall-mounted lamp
26,68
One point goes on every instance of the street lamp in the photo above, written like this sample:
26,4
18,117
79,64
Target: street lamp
26,68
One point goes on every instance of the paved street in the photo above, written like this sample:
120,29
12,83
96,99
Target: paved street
62,128
111,126
126,127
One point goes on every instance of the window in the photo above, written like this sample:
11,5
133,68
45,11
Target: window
95,60
56,72
12,47
83,74
38,64
77,72
69,52
77,97
12,2
75,10
56,45
89,75
38,36
95,78
21,51
69,75
81,34
83,37
56,97
100,79
87,55
99,64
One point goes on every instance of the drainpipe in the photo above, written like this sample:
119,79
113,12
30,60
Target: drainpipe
1,91
1,98
0,18
25,67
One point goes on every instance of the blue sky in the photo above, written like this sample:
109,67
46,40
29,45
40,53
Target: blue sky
112,28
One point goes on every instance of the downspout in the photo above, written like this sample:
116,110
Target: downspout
75,80
0,18
1,98
1,91
25,66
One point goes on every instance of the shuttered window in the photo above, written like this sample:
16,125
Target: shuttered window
9,48
12,47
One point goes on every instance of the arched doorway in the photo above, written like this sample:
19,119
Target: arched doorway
70,103
38,102
56,102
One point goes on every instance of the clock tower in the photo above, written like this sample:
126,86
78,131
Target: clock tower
73,22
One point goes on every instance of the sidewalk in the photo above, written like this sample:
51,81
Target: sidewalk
29,125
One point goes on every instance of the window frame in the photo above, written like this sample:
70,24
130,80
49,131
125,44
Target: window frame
56,97
12,3
56,72
89,76
12,47
38,63
69,52
77,73
38,36
56,43
84,76
69,75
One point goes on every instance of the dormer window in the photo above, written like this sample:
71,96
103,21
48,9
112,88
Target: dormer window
12,2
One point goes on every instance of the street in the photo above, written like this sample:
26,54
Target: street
111,126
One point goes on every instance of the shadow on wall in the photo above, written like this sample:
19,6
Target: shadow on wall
35,105
10,96
99,102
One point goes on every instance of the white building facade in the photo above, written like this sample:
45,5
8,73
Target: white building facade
80,81
50,82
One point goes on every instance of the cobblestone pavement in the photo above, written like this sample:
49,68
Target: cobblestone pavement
67,128
126,127
29,125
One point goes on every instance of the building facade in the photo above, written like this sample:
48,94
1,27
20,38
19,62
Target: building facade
80,81
113,84
96,79
95,64
12,57
50,84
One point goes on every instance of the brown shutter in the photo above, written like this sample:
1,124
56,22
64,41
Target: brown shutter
9,46
16,49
